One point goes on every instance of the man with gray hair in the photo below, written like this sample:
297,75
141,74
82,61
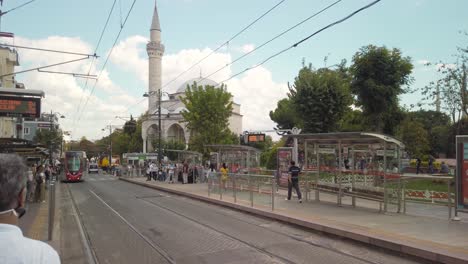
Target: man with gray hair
15,248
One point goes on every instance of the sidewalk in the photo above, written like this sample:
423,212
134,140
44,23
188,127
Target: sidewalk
432,238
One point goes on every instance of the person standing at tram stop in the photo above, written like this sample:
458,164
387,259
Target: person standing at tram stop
224,175
40,185
293,181
185,171
14,247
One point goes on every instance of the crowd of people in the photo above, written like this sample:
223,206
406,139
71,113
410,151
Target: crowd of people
38,179
182,172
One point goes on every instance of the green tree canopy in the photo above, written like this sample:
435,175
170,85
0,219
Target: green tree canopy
321,97
378,78
285,115
207,116
50,138
415,137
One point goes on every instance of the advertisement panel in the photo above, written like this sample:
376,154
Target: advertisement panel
464,178
284,157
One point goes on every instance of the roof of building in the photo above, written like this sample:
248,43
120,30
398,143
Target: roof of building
199,81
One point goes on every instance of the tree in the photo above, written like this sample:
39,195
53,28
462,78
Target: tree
130,126
207,116
285,115
378,77
50,138
352,121
321,97
415,137
451,88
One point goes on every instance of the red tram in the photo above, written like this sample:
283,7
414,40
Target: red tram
75,166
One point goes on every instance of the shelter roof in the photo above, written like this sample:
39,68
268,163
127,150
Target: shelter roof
233,147
351,138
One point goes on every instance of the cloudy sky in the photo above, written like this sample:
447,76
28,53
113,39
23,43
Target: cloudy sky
425,30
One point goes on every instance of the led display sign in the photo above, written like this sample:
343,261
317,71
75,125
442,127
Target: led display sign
20,106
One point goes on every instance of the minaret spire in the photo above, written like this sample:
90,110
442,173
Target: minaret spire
155,23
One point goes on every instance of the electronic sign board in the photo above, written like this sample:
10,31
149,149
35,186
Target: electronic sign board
254,138
14,106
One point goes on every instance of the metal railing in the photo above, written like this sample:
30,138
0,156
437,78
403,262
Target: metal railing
251,188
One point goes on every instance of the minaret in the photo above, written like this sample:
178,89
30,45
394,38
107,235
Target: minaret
155,51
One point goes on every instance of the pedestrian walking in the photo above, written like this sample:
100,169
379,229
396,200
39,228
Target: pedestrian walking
185,171
418,165
148,173
431,164
171,173
224,175
30,185
293,181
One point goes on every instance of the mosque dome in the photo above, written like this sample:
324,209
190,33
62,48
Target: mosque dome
199,81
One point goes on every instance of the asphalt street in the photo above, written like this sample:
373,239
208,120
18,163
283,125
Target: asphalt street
126,223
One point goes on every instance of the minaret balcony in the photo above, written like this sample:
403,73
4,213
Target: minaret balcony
155,46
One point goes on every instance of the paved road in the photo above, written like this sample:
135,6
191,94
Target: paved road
126,223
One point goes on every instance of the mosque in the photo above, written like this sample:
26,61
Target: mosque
172,126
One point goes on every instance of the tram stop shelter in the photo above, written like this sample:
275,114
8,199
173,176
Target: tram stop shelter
238,158
179,156
360,165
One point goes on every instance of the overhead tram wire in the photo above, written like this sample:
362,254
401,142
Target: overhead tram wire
303,40
225,43
272,39
108,56
94,59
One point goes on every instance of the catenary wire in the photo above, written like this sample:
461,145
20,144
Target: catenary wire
108,56
272,39
94,59
224,44
303,40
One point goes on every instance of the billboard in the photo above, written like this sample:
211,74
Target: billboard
462,173
284,157
14,106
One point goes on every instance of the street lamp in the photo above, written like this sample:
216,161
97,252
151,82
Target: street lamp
157,93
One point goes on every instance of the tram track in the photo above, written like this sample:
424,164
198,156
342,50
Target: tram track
91,256
296,238
259,249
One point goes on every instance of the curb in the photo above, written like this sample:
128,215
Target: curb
394,243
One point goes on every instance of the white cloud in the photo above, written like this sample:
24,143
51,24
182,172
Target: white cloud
248,48
256,91
63,93
423,62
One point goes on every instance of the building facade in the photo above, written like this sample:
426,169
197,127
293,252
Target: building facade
172,126
9,59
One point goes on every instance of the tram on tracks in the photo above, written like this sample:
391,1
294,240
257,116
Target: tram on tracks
75,166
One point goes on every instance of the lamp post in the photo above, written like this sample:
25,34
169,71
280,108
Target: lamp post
159,94
110,143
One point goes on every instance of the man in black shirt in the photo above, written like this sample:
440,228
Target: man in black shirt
293,181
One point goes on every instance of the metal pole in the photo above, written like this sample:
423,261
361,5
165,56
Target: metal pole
385,176
339,173
159,128
273,193
353,184
251,191
51,210
110,147
234,191
317,177
449,199
50,145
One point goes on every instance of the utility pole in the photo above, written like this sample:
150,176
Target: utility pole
51,134
159,128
